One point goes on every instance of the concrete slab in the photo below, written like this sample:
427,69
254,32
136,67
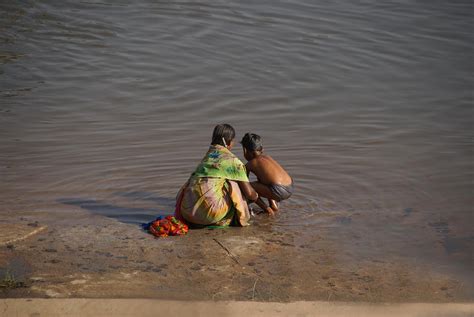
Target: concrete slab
149,307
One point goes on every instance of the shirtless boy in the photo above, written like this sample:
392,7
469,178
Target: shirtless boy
273,182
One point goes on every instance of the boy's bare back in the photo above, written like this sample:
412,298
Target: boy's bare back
273,183
268,171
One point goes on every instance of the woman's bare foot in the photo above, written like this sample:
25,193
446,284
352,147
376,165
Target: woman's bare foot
273,204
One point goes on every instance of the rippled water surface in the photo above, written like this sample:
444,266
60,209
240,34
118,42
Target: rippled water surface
110,105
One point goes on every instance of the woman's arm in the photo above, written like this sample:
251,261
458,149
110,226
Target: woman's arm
248,192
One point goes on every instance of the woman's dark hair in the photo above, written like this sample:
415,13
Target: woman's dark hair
223,131
252,142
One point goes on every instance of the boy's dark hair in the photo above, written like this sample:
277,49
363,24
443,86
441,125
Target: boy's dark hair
252,142
223,131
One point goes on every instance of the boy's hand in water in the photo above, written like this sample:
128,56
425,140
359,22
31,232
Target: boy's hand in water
273,204
270,211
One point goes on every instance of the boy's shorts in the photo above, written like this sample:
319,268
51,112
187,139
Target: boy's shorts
282,192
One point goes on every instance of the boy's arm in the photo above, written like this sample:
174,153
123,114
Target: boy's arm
250,167
247,168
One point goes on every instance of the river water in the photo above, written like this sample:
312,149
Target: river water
109,106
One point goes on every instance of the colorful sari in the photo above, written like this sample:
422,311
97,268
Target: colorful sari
212,195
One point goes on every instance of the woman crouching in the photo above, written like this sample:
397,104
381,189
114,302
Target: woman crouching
217,191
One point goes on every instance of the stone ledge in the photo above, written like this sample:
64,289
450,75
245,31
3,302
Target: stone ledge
153,307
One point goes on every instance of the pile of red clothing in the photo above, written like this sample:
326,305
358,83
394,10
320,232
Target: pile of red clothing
168,226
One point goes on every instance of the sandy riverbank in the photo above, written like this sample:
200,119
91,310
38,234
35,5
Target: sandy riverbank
78,254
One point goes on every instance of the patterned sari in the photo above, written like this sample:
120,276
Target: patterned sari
212,195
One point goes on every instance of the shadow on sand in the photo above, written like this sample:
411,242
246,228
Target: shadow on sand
130,215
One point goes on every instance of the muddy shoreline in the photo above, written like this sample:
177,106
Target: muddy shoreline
80,254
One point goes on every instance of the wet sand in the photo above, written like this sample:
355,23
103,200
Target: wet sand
82,255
